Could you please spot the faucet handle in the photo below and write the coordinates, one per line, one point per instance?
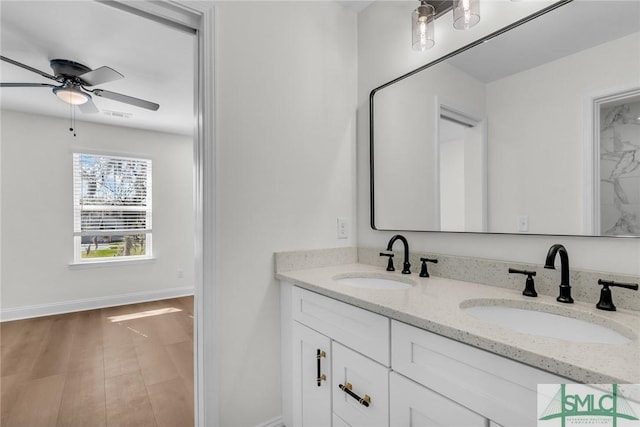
(423, 271)
(390, 263)
(606, 298)
(529, 287)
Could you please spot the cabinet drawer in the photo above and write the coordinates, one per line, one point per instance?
(501, 389)
(413, 405)
(367, 379)
(363, 330)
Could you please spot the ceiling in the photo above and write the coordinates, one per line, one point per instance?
(571, 28)
(157, 61)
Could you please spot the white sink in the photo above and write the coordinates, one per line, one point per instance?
(533, 321)
(374, 282)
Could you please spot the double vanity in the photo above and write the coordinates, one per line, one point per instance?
(364, 346)
(457, 342)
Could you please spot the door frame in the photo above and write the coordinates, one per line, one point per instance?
(197, 17)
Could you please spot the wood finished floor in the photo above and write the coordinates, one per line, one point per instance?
(106, 367)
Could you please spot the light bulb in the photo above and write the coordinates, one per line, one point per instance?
(422, 27)
(466, 13)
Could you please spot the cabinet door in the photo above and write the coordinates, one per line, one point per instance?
(339, 422)
(412, 405)
(312, 393)
(365, 402)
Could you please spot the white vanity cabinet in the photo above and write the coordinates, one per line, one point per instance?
(356, 344)
(406, 375)
(500, 389)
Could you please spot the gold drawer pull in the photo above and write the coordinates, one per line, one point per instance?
(320, 377)
(364, 401)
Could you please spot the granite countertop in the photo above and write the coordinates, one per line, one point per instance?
(434, 304)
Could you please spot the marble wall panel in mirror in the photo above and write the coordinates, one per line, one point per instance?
(536, 130)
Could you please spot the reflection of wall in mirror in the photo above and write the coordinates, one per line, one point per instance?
(406, 175)
(620, 167)
(536, 149)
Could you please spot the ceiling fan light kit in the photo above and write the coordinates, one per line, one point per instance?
(74, 78)
(71, 95)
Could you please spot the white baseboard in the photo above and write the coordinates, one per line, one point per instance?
(39, 310)
(276, 422)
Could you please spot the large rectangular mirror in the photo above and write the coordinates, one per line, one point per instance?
(534, 129)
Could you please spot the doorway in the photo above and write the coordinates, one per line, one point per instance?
(461, 171)
(198, 18)
(615, 205)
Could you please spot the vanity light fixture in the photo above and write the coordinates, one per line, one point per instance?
(466, 14)
(422, 24)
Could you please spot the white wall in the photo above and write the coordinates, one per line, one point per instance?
(285, 132)
(384, 53)
(403, 157)
(520, 151)
(37, 215)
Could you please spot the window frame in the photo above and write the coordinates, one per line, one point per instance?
(147, 208)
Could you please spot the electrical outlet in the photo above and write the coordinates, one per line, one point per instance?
(343, 229)
(180, 273)
(523, 223)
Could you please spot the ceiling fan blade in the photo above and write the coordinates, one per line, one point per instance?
(26, 85)
(88, 107)
(126, 99)
(100, 75)
(26, 67)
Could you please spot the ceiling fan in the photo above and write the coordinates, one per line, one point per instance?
(74, 78)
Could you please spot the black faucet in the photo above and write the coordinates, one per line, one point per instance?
(406, 266)
(565, 288)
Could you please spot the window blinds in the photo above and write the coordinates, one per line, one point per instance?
(112, 195)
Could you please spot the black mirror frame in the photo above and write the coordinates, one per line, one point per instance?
(421, 68)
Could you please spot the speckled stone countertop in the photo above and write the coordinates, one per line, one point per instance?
(434, 304)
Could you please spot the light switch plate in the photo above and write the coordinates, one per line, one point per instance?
(343, 228)
(523, 223)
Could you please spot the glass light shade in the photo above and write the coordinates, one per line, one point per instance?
(422, 27)
(466, 13)
(71, 95)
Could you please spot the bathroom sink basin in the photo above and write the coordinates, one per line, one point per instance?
(534, 321)
(374, 282)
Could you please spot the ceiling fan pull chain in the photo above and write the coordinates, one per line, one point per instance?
(73, 119)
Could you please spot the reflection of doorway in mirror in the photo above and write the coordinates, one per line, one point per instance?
(462, 171)
(619, 147)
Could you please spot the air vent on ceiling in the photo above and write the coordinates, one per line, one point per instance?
(117, 114)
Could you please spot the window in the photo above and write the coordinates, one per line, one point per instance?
(112, 208)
